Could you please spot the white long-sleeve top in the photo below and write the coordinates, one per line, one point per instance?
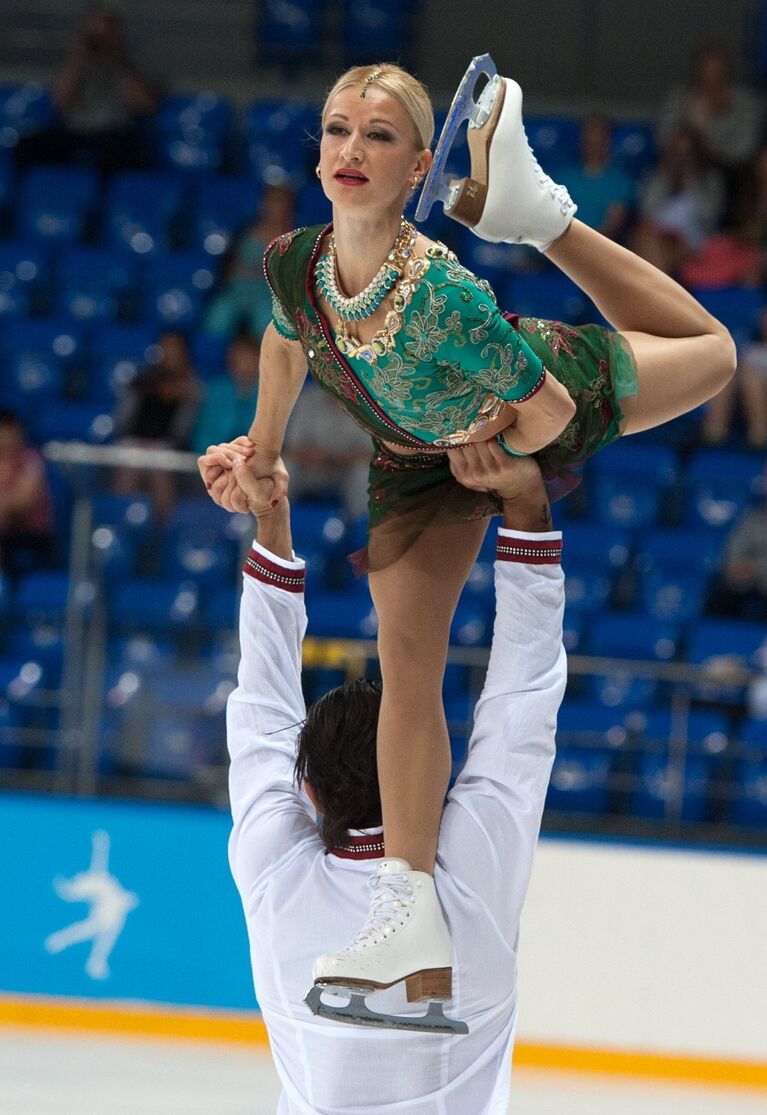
(301, 901)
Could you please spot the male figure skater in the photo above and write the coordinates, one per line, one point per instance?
(301, 884)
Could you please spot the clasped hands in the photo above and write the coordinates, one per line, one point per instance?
(241, 476)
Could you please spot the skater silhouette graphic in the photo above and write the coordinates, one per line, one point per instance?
(109, 903)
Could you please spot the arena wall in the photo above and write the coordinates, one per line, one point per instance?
(662, 946)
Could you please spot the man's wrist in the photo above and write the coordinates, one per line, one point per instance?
(273, 531)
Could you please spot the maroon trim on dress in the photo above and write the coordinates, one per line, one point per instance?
(346, 368)
(527, 551)
(270, 573)
(360, 847)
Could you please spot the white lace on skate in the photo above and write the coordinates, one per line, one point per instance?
(558, 192)
(391, 897)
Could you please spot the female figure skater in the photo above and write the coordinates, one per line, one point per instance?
(415, 349)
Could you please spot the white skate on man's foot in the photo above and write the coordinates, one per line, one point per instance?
(110, 905)
(508, 197)
(405, 939)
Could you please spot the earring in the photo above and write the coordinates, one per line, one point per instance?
(414, 182)
(317, 171)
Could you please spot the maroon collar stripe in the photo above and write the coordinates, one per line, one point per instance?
(360, 847)
(262, 569)
(529, 551)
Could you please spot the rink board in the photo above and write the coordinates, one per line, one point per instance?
(642, 960)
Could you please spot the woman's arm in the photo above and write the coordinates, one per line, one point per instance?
(541, 418)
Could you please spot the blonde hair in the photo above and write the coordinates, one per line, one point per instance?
(409, 91)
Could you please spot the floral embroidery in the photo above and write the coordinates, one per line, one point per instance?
(556, 335)
(282, 322)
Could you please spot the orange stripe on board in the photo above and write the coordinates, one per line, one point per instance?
(698, 1070)
(137, 1020)
(248, 1028)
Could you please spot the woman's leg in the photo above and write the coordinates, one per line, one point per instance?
(683, 354)
(415, 599)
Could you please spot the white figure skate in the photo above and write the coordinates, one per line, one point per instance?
(405, 938)
(508, 197)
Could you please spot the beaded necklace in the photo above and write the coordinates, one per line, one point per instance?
(365, 303)
(402, 272)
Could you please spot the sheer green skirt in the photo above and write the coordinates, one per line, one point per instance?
(408, 494)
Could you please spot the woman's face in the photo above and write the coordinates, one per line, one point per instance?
(368, 152)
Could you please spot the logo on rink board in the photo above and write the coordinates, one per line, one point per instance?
(109, 904)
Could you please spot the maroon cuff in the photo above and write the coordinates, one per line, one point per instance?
(262, 569)
(527, 551)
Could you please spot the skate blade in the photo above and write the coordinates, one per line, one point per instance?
(436, 185)
(358, 1013)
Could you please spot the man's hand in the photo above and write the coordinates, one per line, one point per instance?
(216, 471)
(517, 481)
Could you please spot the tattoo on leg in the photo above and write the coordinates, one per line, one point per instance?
(546, 515)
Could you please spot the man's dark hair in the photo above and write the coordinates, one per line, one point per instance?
(337, 755)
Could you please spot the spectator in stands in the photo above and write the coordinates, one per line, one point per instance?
(26, 507)
(326, 453)
(732, 257)
(726, 116)
(242, 301)
(742, 588)
(604, 192)
(158, 411)
(230, 399)
(101, 98)
(749, 384)
(680, 204)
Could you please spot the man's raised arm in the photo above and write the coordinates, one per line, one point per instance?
(491, 822)
(265, 712)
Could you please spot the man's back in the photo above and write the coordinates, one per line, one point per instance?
(300, 900)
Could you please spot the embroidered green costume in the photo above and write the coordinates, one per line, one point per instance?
(457, 360)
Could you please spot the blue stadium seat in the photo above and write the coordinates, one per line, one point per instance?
(707, 732)
(41, 598)
(221, 607)
(580, 781)
(494, 262)
(208, 353)
(172, 749)
(20, 679)
(626, 499)
(636, 458)
(573, 632)
(39, 353)
(64, 421)
(93, 281)
(319, 524)
(312, 207)
(175, 286)
(198, 512)
(480, 585)
(118, 352)
(190, 132)
(342, 615)
(24, 270)
(622, 690)
(634, 147)
(673, 595)
(601, 547)
(114, 551)
(739, 308)
(472, 624)
(54, 203)
(720, 643)
(550, 295)
(719, 486)
(199, 554)
(374, 29)
(554, 139)
(749, 804)
(586, 590)
(220, 207)
(661, 787)
(140, 206)
(289, 30)
(144, 604)
(11, 737)
(626, 635)
(678, 549)
(280, 136)
(752, 737)
(144, 653)
(584, 723)
(133, 514)
(43, 643)
(24, 108)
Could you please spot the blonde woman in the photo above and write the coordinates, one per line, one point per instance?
(415, 349)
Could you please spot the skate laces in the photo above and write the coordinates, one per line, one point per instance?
(389, 894)
(558, 192)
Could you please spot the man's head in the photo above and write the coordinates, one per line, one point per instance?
(337, 759)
